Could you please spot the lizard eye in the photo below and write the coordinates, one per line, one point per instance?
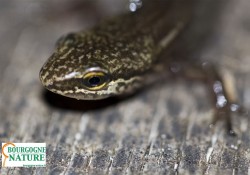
(95, 79)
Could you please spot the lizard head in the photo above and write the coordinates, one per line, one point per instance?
(83, 67)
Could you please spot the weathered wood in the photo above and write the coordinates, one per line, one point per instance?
(163, 129)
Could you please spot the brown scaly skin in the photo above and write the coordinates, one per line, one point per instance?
(112, 58)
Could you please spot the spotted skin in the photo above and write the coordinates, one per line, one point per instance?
(122, 49)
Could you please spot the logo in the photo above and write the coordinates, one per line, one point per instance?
(23, 154)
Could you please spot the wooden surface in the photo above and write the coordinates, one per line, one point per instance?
(163, 129)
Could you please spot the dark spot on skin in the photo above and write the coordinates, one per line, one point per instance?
(67, 39)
